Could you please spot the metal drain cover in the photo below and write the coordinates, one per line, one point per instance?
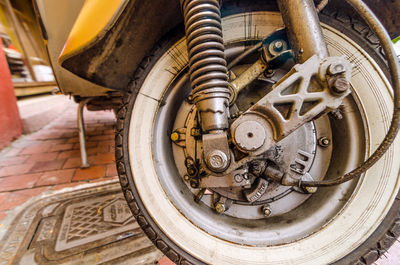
(86, 226)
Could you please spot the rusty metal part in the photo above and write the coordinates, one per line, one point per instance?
(237, 178)
(297, 98)
(216, 151)
(81, 130)
(362, 9)
(322, 4)
(256, 192)
(207, 64)
(250, 136)
(324, 142)
(266, 210)
(249, 75)
(303, 28)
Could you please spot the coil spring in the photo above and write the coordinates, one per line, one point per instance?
(208, 72)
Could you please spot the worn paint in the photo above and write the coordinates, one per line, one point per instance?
(94, 19)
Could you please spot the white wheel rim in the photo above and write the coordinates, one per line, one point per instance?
(366, 209)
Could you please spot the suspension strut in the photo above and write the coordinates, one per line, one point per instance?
(208, 72)
(208, 78)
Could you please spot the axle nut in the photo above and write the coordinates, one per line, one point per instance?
(219, 207)
(250, 135)
(340, 85)
(217, 160)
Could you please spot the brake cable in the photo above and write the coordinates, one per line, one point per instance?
(377, 28)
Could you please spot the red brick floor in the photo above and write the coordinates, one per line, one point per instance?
(50, 158)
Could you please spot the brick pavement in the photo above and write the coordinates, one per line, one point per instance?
(49, 159)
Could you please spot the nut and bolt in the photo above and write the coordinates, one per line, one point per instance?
(238, 178)
(336, 114)
(194, 184)
(220, 207)
(278, 46)
(175, 136)
(340, 85)
(217, 160)
(336, 68)
(324, 142)
(186, 177)
(266, 210)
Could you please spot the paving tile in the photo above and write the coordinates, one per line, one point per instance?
(88, 145)
(111, 170)
(13, 152)
(104, 159)
(35, 149)
(73, 140)
(101, 149)
(76, 162)
(15, 169)
(102, 137)
(19, 197)
(3, 196)
(14, 160)
(18, 182)
(93, 172)
(48, 165)
(61, 147)
(55, 177)
(42, 157)
(68, 154)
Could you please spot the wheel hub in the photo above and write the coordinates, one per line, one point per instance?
(246, 194)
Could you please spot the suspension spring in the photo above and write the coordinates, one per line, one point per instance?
(208, 71)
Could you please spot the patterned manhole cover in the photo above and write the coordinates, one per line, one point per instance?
(86, 226)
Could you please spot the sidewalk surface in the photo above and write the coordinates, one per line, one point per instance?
(49, 159)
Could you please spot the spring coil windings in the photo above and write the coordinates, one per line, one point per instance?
(208, 71)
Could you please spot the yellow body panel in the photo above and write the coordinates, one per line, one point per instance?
(94, 18)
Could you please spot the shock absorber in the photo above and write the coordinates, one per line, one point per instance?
(207, 64)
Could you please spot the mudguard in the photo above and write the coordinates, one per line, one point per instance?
(109, 52)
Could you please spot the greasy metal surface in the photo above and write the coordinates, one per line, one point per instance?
(297, 98)
(85, 226)
(177, 115)
(303, 28)
(207, 64)
(81, 130)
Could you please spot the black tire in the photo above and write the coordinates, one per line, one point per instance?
(367, 253)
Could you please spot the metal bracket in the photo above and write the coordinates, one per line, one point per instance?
(306, 92)
(81, 129)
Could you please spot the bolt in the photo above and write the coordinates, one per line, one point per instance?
(266, 210)
(336, 114)
(220, 207)
(278, 46)
(238, 178)
(340, 85)
(217, 160)
(194, 184)
(175, 136)
(186, 177)
(324, 142)
(336, 68)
